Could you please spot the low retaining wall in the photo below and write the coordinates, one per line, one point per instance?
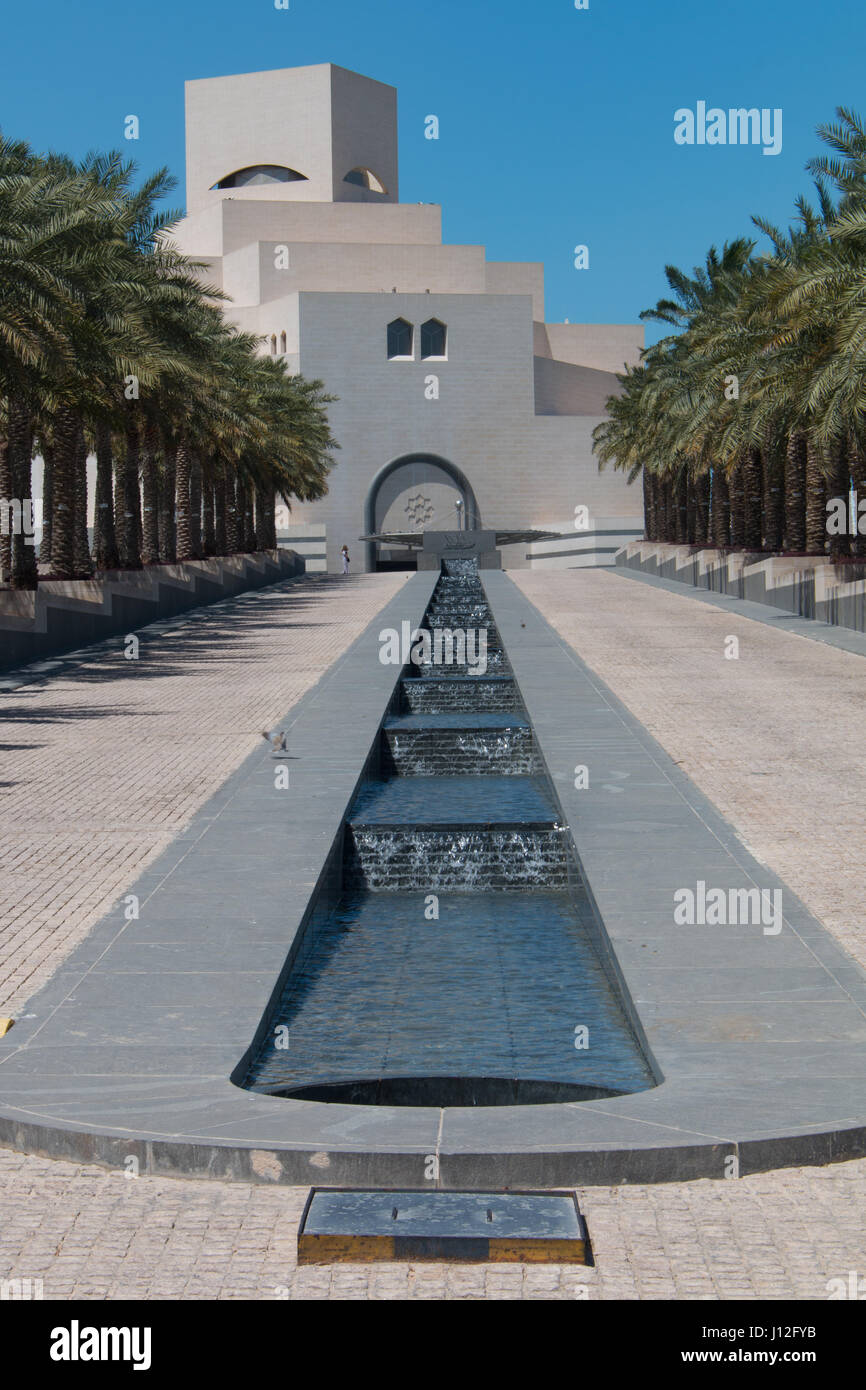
(64, 614)
(811, 587)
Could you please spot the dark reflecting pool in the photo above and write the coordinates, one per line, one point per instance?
(462, 965)
(495, 988)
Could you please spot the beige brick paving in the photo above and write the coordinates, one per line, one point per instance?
(773, 738)
(124, 762)
(89, 1233)
(102, 765)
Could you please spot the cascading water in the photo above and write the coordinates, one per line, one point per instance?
(460, 966)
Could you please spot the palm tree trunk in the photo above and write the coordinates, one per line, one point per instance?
(249, 520)
(195, 506)
(168, 494)
(721, 505)
(81, 542)
(63, 509)
(150, 498)
(666, 517)
(208, 535)
(857, 455)
(232, 526)
(648, 508)
(24, 573)
(121, 525)
(271, 517)
(105, 550)
(184, 530)
(220, 539)
(47, 502)
(735, 490)
(816, 497)
(6, 493)
(691, 507)
(261, 517)
(130, 539)
(838, 486)
(753, 530)
(774, 497)
(679, 500)
(795, 494)
(702, 507)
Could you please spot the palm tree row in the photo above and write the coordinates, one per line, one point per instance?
(111, 345)
(747, 420)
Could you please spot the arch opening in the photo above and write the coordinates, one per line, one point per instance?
(416, 492)
(256, 174)
(362, 177)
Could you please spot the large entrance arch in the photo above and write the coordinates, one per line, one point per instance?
(418, 492)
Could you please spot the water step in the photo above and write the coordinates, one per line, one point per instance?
(454, 801)
(459, 744)
(474, 614)
(496, 664)
(462, 858)
(425, 693)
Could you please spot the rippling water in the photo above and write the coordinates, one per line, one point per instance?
(495, 987)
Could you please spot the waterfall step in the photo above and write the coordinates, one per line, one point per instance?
(457, 858)
(456, 743)
(495, 663)
(460, 802)
(459, 719)
(423, 694)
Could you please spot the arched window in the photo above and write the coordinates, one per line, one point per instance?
(400, 339)
(283, 342)
(433, 338)
(261, 173)
(273, 345)
(365, 178)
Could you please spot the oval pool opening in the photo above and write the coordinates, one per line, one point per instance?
(443, 1092)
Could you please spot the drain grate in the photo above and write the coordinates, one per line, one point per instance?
(343, 1227)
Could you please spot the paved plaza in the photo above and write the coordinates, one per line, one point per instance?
(107, 760)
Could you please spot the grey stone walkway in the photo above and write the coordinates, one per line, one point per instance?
(112, 765)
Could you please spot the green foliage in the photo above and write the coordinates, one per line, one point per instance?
(94, 294)
(789, 326)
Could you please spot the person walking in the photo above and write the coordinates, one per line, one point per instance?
(344, 556)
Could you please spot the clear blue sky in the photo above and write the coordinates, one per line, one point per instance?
(556, 124)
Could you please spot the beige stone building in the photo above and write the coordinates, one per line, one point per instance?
(456, 398)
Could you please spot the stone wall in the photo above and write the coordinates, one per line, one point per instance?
(64, 614)
(809, 586)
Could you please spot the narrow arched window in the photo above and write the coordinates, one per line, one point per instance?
(433, 338)
(273, 345)
(283, 342)
(399, 339)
